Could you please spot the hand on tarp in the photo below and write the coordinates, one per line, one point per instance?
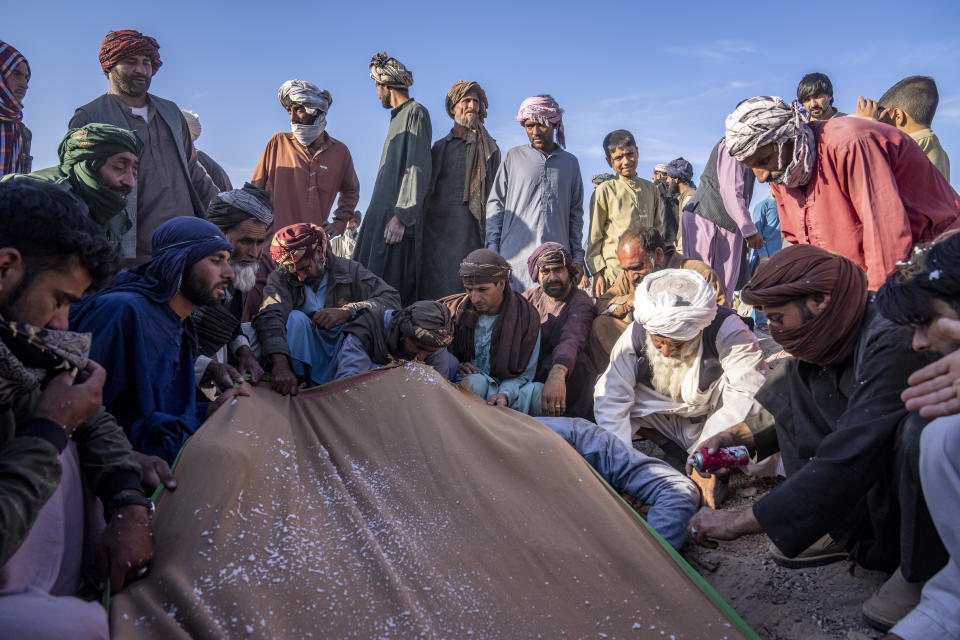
(125, 546)
(230, 395)
(282, 378)
(222, 375)
(248, 365)
(153, 471)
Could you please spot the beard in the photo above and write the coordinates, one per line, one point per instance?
(199, 292)
(385, 102)
(468, 120)
(244, 278)
(125, 83)
(670, 372)
(556, 290)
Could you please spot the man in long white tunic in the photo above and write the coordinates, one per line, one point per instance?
(686, 368)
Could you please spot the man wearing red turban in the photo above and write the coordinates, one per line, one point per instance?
(170, 180)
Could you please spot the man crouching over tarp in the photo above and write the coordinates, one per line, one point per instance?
(306, 302)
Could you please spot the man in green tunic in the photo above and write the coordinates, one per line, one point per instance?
(98, 164)
(387, 244)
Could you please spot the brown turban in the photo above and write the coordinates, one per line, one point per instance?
(118, 45)
(291, 243)
(551, 254)
(459, 90)
(795, 272)
(484, 266)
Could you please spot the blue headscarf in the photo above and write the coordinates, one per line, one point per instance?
(682, 170)
(176, 245)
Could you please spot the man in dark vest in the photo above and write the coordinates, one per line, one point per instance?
(716, 223)
(685, 370)
(170, 180)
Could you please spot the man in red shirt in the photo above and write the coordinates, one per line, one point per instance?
(852, 186)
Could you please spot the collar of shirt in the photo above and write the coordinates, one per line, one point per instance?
(397, 110)
(151, 110)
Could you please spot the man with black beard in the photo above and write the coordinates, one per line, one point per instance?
(170, 180)
(243, 215)
(144, 337)
(675, 184)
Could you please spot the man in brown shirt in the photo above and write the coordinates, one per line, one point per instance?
(305, 169)
(641, 251)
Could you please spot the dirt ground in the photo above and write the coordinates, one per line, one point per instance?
(821, 603)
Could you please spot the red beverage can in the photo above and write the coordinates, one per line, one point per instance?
(724, 458)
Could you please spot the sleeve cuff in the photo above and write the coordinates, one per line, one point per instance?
(116, 482)
(45, 429)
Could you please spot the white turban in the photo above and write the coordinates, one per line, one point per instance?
(301, 92)
(193, 123)
(768, 119)
(675, 303)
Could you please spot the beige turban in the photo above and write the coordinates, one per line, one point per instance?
(193, 123)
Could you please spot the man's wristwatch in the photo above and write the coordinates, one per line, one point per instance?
(122, 500)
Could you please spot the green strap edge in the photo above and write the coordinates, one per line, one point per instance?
(698, 579)
(106, 599)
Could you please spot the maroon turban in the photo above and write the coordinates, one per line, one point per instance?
(119, 45)
(793, 273)
(291, 243)
(551, 254)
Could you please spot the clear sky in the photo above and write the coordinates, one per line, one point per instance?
(669, 72)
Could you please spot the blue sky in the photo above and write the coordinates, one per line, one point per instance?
(669, 72)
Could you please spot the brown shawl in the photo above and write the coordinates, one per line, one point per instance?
(480, 148)
(515, 332)
(797, 271)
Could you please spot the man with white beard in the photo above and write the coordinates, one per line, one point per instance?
(685, 370)
(244, 216)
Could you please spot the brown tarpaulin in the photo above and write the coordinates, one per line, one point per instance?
(394, 505)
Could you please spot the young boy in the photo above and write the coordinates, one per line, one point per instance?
(616, 204)
(910, 106)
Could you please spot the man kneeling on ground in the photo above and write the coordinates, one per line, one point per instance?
(849, 446)
(684, 371)
(496, 335)
(378, 337)
(306, 303)
(54, 433)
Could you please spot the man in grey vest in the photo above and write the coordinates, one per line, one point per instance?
(685, 370)
(171, 182)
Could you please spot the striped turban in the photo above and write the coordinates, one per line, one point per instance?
(230, 208)
(427, 322)
(675, 303)
(600, 178)
(11, 114)
(119, 45)
(545, 110)
(483, 266)
(308, 95)
(389, 71)
(769, 120)
(291, 243)
(551, 254)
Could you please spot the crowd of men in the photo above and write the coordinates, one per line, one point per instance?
(475, 264)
